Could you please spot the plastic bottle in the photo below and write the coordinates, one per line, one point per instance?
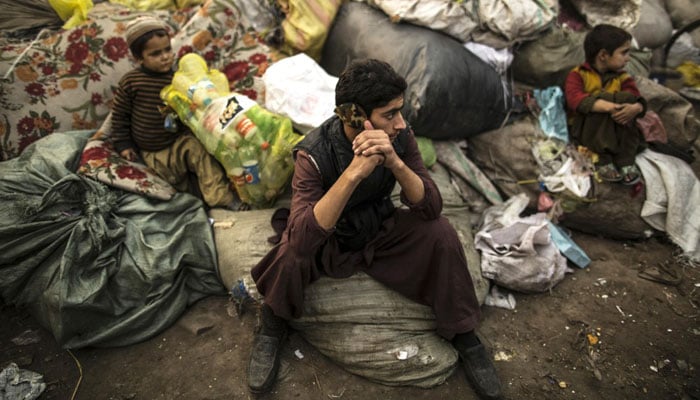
(227, 157)
(265, 120)
(193, 66)
(195, 70)
(218, 124)
(220, 82)
(252, 136)
(192, 79)
(202, 92)
(249, 159)
(177, 101)
(195, 122)
(275, 172)
(247, 129)
(237, 177)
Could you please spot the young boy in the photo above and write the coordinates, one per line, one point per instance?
(138, 125)
(603, 101)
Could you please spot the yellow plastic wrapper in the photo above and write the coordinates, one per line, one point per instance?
(73, 12)
(150, 5)
(306, 24)
(188, 3)
(691, 73)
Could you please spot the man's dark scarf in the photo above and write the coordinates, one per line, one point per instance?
(370, 203)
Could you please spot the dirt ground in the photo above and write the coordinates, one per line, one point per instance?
(604, 332)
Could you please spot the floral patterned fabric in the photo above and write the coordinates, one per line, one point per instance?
(101, 162)
(63, 80)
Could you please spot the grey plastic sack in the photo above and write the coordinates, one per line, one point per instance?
(518, 252)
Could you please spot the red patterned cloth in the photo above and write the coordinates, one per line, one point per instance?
(63, 80)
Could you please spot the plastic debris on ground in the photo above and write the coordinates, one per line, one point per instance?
(496, 298)
(568, 248)
(16, 383)
(27, 337)
(240, 297)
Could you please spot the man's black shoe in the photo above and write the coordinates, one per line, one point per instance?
(480, 371)
(264, 363)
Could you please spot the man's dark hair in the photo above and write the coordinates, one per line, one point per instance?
(604, 37)
(140, 43)
(369, 83)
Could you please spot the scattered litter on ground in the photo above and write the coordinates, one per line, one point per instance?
(224, 224)
(16, 383)
(336, 396)
(27, 337)
(503, 356)
(498, 298)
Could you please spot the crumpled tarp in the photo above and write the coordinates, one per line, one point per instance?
(673, 195)
(95, 265)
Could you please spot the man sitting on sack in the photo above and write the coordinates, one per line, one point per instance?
(342, 221)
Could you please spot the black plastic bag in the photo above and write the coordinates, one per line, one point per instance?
(451, 92)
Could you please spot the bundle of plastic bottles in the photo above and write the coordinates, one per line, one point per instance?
(253, 144)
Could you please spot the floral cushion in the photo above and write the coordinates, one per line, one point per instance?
(101, 162)
(64, 80)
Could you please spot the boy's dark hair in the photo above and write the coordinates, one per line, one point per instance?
(604, 37)
(369, 83)
(139, 43)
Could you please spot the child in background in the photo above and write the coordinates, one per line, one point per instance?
(603, 102)
(138, 121)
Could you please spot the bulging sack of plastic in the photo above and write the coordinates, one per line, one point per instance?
(253, 144)
(276, 164)
(255, 147)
